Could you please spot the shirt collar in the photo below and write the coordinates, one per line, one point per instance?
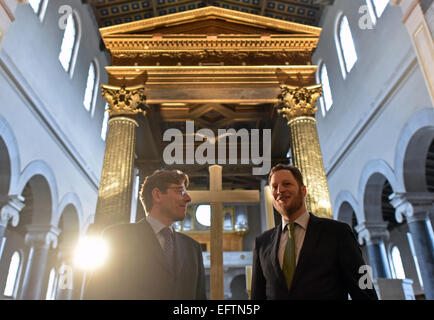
(156, 225)
(302, 221)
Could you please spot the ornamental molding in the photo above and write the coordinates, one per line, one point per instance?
(116, 45)
(211, 53)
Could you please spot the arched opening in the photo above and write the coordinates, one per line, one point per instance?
(238, 288)
(5, 172)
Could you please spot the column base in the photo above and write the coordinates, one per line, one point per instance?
(394, 289)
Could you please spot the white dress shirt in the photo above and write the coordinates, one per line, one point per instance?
(300, 232)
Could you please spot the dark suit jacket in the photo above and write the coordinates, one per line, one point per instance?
(327, 268)
(137, 268)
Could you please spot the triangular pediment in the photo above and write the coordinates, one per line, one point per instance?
(210, 20)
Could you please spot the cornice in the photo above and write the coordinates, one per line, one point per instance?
(120, 45)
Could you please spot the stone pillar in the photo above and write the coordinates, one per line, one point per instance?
(416, 207)
(267, 211)
(65, 272)
(415, 14)
(374, 234)
(299, 109)
(39, 239)
(7, 10)
(116, 184)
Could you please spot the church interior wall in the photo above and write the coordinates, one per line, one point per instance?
(33, 48)
(379, 140)
(66, 174)
(380, 54)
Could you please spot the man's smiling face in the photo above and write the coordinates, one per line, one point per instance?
(288, 195)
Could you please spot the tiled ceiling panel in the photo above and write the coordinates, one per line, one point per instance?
(113, 12)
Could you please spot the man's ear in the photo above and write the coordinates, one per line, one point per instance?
(156, 195)
(304, 191)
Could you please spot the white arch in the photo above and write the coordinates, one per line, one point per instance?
(70, 198)
(346, 196)
(39, 167)
(422, 119)
(8, 137)
(372, 167)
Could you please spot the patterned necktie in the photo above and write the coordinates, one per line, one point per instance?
(289, 256)
(168, 247)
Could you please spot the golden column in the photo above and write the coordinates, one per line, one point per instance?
(299, 109)
(115, 190)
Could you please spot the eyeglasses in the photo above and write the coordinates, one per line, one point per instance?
(182, 190)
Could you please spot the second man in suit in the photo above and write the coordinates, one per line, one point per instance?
(306, 257)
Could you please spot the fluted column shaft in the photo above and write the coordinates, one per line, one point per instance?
(306, 154)
(115, 191)
(39, 239)
(299, 109)
(116, 184)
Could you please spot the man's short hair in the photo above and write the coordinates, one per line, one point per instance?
(294, 170)
(160, 179)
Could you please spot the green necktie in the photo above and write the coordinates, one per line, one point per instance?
(289, 256)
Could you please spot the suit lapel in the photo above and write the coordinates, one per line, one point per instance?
(275, 256)
(180, 255)
(310, 241)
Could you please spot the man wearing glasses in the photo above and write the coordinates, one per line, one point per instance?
(150, 260)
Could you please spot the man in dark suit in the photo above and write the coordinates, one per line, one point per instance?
(306, 257)
(149, 259)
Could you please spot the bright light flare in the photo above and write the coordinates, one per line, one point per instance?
(91, 253)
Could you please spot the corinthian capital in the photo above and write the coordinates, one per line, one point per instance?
(124, 100)
(297, 102)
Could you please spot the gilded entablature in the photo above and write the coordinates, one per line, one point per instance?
(212, 39)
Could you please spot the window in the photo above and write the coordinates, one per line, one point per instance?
(36, 5)
(227, 222)
(12, 278)
(51, 289)
(91, 85)
(345, 46)
(416, 262)
(68, 43)
(397, 267)
(327, 100)
(380, 6)
(105, 123)
(203, 214)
